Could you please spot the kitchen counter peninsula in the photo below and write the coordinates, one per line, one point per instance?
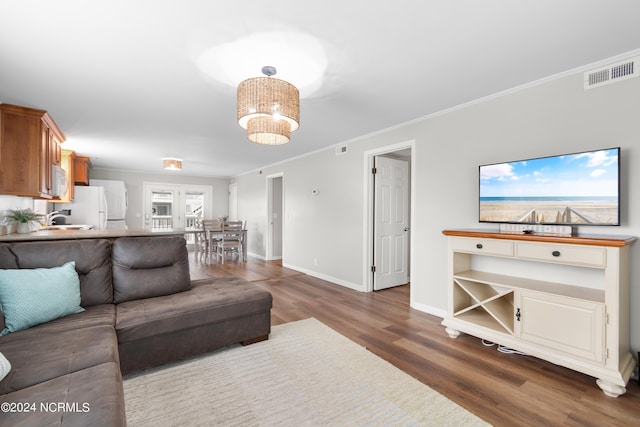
(89, 234)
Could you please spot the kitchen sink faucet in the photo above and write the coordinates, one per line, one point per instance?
(51, 216)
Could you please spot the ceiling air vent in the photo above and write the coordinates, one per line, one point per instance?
(612, 73)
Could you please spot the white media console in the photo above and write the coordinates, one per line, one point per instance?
(561, 299)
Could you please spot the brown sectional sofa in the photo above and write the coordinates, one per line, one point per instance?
(141, 310)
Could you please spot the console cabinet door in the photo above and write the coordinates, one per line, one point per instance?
(569, 325)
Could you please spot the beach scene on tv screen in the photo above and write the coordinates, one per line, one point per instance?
(575, 189)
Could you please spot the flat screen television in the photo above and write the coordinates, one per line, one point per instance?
(569, 189)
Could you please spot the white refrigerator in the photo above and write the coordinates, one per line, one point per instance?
(116, 194)
(89, 206)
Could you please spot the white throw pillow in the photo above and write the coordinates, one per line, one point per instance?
(5, 366)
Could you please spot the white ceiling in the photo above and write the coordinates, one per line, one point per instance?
(121, 80)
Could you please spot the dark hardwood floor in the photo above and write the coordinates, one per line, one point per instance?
(503, 389)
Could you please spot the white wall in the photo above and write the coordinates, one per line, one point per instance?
(15, 202)
(554, 118)
(323, 235)
(134, 183)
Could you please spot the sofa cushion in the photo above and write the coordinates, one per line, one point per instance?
(209, 301)
(92, 258)
(7, 258)
(97, 315)
(145, 267)
(29, 297)
(39, 358)
(92, 397)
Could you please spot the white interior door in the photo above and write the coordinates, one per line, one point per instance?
(391, 223)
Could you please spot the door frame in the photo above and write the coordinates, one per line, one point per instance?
(269, 242)
(232, 202)
(369, 209)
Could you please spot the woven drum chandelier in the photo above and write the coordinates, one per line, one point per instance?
(268, 108)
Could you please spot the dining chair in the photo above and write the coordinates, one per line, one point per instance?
(210, 228)
(237, 226)
(199, 242)
(230, 240)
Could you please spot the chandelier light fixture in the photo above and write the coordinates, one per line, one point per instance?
(268, 108)
(172, 164)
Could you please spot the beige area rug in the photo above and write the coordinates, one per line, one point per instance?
(306, 374)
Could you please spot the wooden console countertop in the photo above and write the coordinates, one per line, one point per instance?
(88, 234)
(580, 239)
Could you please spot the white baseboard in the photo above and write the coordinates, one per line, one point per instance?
(417, 306)
(252, 255)
(262, 257)
(429, 309)
(331, 279)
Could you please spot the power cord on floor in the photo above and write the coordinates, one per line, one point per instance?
(503, 349)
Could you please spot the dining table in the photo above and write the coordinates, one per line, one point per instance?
(208, 235)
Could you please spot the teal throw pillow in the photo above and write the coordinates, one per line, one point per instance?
(29, 297)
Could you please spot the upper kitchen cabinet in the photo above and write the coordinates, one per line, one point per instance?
(81, 170)
(30, 152)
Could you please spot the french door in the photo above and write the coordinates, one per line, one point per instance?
(175, 206)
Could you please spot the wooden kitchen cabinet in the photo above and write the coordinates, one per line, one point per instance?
(81, 170)
(55, 150)
(29, 147)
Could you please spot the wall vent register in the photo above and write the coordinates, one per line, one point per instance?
(612, 73)
(341, 150)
